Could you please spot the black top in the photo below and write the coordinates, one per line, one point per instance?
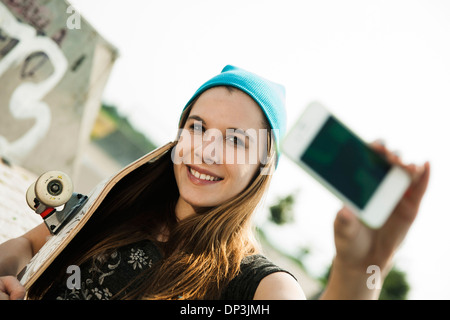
(105, 277)
(253, 270)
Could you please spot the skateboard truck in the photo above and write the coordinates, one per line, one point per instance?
(51, 190)
(55, 219)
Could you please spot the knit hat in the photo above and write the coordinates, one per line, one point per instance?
(268, 95)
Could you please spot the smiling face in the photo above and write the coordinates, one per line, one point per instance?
(220, 147)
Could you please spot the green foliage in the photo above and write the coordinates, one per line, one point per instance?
(118, 138)
(127, 129)
(283, 212)
(395, 286)
(112, 112)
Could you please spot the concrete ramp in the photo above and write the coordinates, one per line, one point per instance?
(53, 69)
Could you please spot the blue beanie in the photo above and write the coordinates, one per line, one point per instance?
(268, 95)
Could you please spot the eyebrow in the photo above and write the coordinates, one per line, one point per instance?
(194, 117)
(237, 130)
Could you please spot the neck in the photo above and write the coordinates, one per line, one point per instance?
(183, 209)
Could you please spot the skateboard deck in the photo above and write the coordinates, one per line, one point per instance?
(57, 242)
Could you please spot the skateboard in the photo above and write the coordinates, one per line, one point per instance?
(66, 212)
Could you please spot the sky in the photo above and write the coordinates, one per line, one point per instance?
(381, 66)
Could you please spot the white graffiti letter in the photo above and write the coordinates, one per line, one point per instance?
(26, 100)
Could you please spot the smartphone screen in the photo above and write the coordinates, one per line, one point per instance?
(346, 162)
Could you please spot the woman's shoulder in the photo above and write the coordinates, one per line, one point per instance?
(258, 277)
(279, 286)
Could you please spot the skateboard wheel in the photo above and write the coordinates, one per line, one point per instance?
(31, 196)
(53, 188)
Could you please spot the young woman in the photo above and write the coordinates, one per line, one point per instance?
(180, 227)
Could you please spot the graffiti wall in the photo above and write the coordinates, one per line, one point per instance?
(53, 68)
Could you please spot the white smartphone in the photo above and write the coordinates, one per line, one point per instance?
(344, 164)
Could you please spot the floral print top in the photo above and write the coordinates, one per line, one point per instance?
(109, 274)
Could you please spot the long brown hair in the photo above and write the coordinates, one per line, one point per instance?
(203, 251)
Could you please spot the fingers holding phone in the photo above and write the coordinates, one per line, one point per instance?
(381, 195)
(406, 210)
(419, 176)
(367, 182)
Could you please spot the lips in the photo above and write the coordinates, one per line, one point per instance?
(202, 176)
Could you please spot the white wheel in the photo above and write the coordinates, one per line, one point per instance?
(31, 195)
(53, 188)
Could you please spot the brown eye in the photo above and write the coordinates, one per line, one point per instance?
(236, 141)
(197, 127)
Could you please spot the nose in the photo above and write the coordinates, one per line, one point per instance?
(210, 150)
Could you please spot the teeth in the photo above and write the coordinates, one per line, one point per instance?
(203, 176)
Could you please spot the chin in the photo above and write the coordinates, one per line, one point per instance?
(200, 204)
